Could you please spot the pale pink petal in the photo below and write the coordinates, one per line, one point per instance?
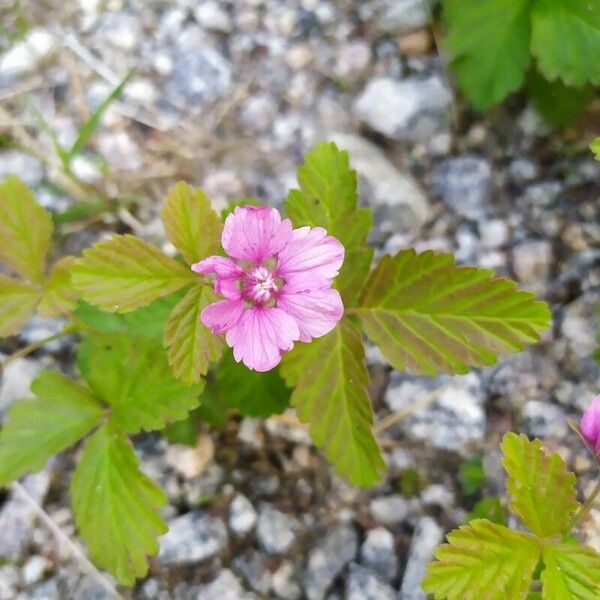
(316, 312)
(255, 233)
(305, 281)
(590, 424)
(311, 250)
(261, 336)
(222, 315)
(227, 275)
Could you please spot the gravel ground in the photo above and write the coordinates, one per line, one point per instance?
(229, 95)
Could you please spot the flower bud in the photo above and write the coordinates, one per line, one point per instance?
(590, 424)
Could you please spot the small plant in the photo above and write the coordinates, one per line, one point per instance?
(498, 46)
(292, 299)
(486, 559)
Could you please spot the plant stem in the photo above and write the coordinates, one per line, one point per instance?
(67, 330)
(585, 508)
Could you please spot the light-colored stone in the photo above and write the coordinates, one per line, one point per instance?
(275, 530)
(25, 56)
(242, 515)
(191, 462)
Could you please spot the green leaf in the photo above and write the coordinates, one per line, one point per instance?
(595, 148)
(472, 475)
(17, 302)
(252, 393)
(116, 507)
(566, 40)
(488, 44)
(489, 508)
(125, 273)
(558, 103)
(327, 198)
(191, 224)
(59, 296)
(330, 394)
(62, 413)
(571, 573)
(132, 375)
(25, 230)
(183, 432)
(191, 345)
(148, 321)
(211, 410)
(483, 560)
(542, 490)
(89, 127)
(429, 315)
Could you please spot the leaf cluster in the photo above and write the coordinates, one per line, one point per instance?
(484, 559)
(497, 46)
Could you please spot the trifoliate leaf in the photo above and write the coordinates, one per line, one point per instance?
(25, 230)
(488, 44)
(565, 39)
(542, 490)
(571, 573)
(483, 560)
(327, 198)
(17, 302)
(595, 148)
(191, 345)
(62, 413)
(148, 321)
(116, 507)
(558, 103)
(59, 296)
(251, 393)
(429, 315)
(330, 394)
(131, 374)
(125, 273)
(191, 224)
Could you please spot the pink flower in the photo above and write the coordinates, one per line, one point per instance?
(276, 285)
(590, 424)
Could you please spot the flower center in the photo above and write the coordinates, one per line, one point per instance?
(261, 285)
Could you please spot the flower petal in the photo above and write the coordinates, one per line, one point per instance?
(255, 233)
(590, 424)
(311, 250)
(316, 312)
(222, 315)
(227, 275)
(261, 336)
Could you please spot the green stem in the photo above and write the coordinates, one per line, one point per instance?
(67, 330)
(585, 508)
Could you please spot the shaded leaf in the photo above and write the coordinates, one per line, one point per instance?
(131, 374)
(488, 44)
(62, 413)
(542, 490)
(558, 103)
(191, 345)
(59, 296)
(252, 393)
(191, 224)
(595, 148)
(565, 40)
(571, 573)
(330, 394)
(429, 315)
(125, 273)
(489, 508)
(483, 560)
(116, 507)
(17, 302)
(25, 230)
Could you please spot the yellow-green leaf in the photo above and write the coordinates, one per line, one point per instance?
(571, 573)
(17, 301)
(542, 490)
(191, 345)
(59, 296)
(116, 506)
(62, 413)
(595, 148)
(330, 394)
(429, 315)
(125, 273)
(25, 230)
(483, 560)
(191, 224)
